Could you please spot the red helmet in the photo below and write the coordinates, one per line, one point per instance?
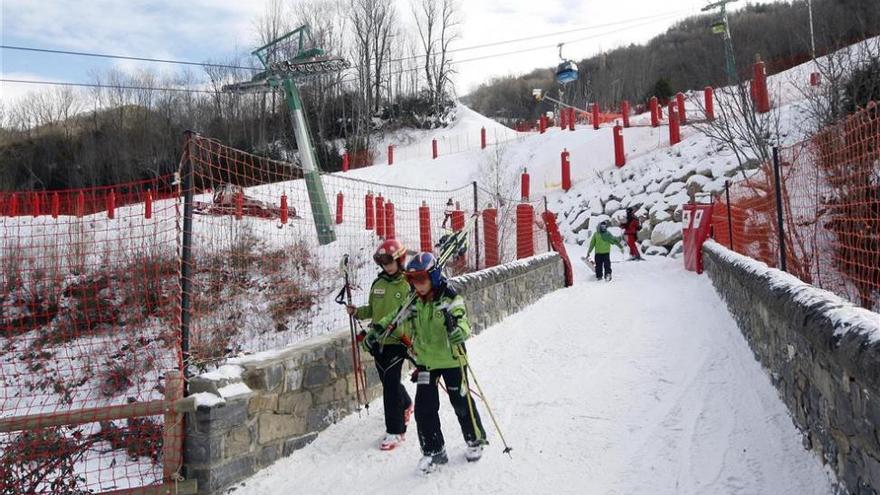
(389, 251)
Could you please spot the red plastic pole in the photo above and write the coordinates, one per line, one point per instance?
(524, 186)
(239, 205)
(619, 156)
(762, 96)
(673, 125)
(571, 119)
(682, 113)
(434, 148)
(490, 236)
(389, 220)
(563, 118)
(111, 205)
(655, 112)
(566, 170)
(36, 205)
(624, 108)
(426, 244)
(815, 79)
(340, 201)
(56, 205)
(525, 235)
(596, 116)
(369, 209)
(380, 216)
(542, 122)
(483, 138)
(284, 211)
(346, 162)
(148, 205)
(709, 96)
(390, 154)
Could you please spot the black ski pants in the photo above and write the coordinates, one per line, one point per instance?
(428, 410)
(603, 264)
(389, 364)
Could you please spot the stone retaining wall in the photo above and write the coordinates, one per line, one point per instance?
(258, 409)
(822, 354)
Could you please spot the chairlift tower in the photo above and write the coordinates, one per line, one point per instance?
(283, 73)
(722, 27)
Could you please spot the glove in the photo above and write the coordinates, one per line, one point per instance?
(457, 336)
(371, 343)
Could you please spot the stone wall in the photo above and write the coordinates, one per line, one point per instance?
(257, 409)
(822, 354)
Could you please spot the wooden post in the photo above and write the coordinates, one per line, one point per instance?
(172, 434)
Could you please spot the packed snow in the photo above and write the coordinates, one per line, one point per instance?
(620, 387)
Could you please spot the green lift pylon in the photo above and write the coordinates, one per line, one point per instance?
(283, 73)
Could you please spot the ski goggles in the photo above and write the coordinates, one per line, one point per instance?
(417, 277)
(383, 259)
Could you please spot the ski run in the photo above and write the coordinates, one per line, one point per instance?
(639, 385)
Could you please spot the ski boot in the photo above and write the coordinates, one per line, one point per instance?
(608, 277)
(474, 450)
(391, 441)
(430, 462)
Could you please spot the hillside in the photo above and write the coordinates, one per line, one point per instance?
(688, 56)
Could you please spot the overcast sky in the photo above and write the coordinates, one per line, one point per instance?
(200, 30)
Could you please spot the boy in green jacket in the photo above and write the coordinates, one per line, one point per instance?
(438, 326)
(388, 292)
(601, 242)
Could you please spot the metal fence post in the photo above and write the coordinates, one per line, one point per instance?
(186, 256)
(476, 227)
(729, 215)
(780, 225)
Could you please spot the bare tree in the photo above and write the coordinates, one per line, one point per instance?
(437, 23)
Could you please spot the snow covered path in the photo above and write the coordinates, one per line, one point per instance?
(641, 385)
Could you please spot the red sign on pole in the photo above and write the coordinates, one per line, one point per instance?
(696, 219)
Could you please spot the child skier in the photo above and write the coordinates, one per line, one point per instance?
(631, 229)
(438, 327)
(387, 293)
(602, 241)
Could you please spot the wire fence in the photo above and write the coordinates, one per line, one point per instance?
(829, 194)
(88, 311)
(257, 244)
(97, 304)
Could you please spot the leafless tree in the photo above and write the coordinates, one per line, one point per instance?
(438, 23)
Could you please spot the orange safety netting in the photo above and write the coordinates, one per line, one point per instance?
(88, 324)
(261, 279)
(830, 190)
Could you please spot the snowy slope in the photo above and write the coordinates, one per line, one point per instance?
(654, 395)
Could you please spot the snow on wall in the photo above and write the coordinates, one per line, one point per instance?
(822, 353)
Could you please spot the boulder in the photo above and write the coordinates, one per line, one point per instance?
(612, 206)
(677, 250)
(666, 234)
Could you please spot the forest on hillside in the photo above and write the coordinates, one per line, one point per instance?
(688, 56)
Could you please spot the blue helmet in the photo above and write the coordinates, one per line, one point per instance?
(424, 266)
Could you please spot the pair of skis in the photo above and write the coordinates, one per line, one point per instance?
(360, 375)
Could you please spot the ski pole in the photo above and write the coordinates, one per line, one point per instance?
(507, 448)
